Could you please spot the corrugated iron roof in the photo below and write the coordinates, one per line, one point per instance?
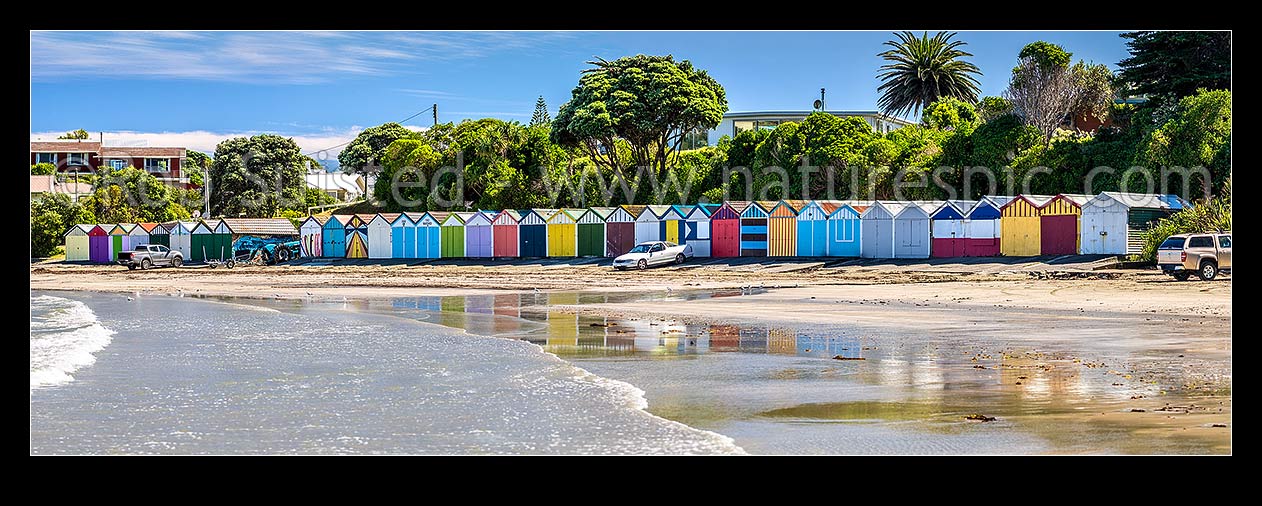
(65, 146)
(797, 205)
(634, 210)
(998, 200)
(603, 212)
(738, 205)
(659, 210)
(260, 226)
(389, 217)
(1077, 198)
(440, 216)
(1140, 200)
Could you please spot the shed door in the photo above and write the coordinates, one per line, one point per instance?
(1059, 235)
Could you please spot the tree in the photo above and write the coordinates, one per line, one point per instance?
(540, 118)
(43, 169)
(1094, 89)
(131, 195)
(1170, 65)
(923, 69)
(52, 214)
(79, 134)
(195, 164)
(650, 102)
(990, 108)
(1198, 135)
(950, 114)
(369, 145)
(1042, 89)
(257, 176)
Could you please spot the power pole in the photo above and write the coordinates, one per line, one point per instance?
(435, 114)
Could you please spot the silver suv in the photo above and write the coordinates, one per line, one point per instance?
(1204, 254)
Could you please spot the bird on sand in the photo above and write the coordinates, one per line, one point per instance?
(129, 299)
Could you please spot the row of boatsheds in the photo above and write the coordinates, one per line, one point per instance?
(1025, 225)
(198, 240)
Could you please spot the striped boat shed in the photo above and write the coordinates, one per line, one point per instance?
(1059, 221)
(504, 232)
(782, 230)
(309, 236)
(138, 235)
(591, 232)
(157, 233)
(1116, 223)
(620, 230)
(725, 229)
(1020, 226)
(754, 230)
(532, 232)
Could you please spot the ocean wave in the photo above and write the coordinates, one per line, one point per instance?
(65, 335)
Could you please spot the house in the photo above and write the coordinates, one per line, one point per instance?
(163, 163)
(737, 122)
(340, 186)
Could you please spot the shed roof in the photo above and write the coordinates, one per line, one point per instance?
(603, 212)
(1076, 198)
(388, 217)
(512, 213)
(738, 205)
(1130, 200)
(260, 226)
(634, 210)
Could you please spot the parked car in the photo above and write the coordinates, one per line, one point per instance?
(1204, 254)
(652, 253)
(145, 256)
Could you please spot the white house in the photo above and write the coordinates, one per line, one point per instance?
(735, 122)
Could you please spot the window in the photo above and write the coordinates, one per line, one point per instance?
(156, 164)
(1172, 243)
(46, 158)
(1224, 241)
(741, 126)
(1203, 241)
(695, 139)
(843, 230)
(162, 249)
(118, 164)
(657, 247)
(77, 159)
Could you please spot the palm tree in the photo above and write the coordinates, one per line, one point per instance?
(924, 69)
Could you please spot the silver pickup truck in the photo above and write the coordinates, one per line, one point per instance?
(1203, 254)
(145, 256)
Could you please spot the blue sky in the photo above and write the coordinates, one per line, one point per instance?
(196, 88)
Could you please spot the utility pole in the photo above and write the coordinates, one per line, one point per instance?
(822, 105)
(206, 190)
(435, 114)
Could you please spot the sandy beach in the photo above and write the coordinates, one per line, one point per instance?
(1098, 351)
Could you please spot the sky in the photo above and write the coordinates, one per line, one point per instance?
(194, 89)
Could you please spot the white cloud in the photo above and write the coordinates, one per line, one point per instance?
(258, 57)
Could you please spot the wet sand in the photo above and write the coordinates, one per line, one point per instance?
(1135, 364)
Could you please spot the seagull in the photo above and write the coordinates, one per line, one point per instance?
(277, 295)
(668, 290)
(308, 293)
(536, 289)
(129, 299)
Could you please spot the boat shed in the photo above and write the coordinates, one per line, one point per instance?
(78, 247)
(754, 230)
(1059, 221)
(1020, 227)
(725, 229)
(309, 236)
(479, 239)
(620, 230)
(504, 240)
(532, 232)
(453, 235)
(334, 236)
(591, 232)
(1115, 223)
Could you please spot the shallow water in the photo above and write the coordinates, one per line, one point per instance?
(193, 376)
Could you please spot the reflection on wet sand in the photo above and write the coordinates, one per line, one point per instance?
(930, 382)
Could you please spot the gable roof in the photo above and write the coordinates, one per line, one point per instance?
(260, 226)
(80, 228)
(1033, 200)
(737, 205)
(512, 214)
(634, 210)
(138, 152)
(1076, 198)
(386, 217)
